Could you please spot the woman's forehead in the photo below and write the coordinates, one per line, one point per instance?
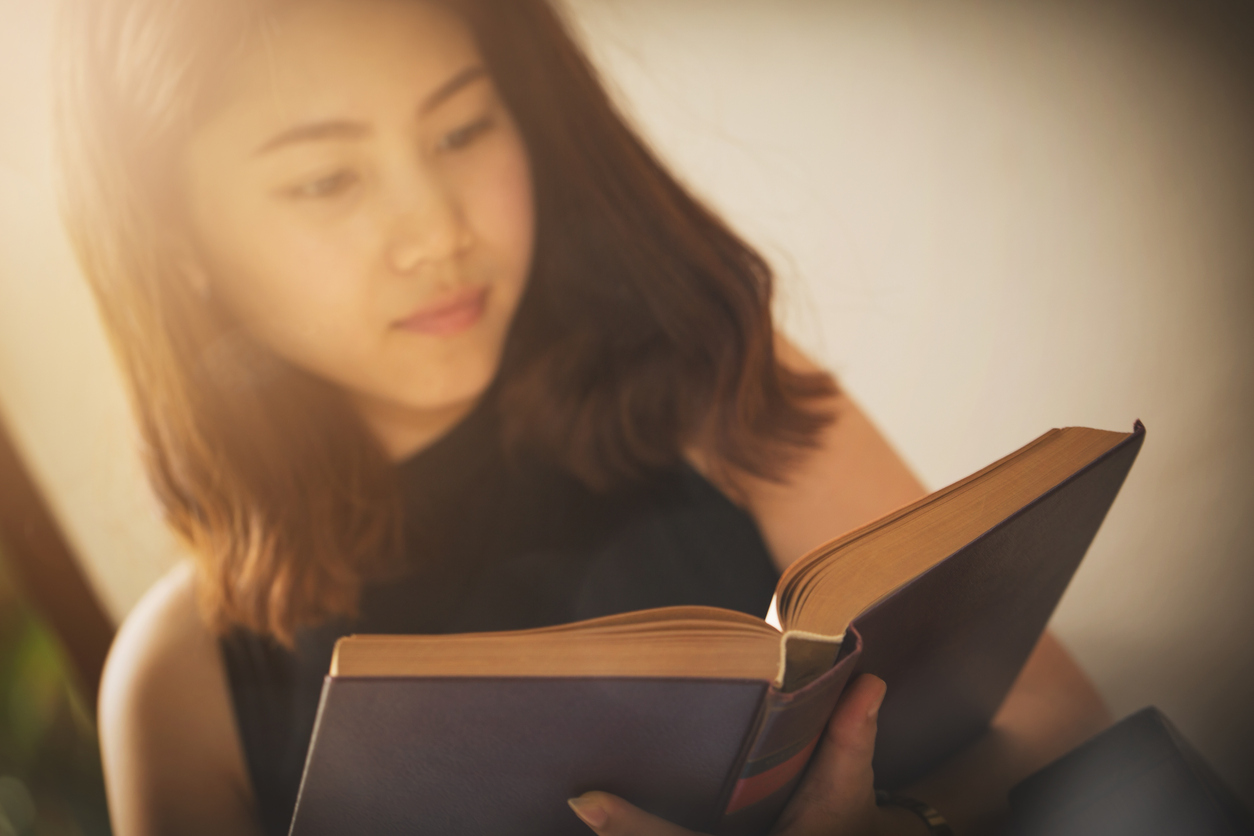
(345, 58)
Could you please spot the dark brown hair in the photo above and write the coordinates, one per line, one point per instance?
(645, 329)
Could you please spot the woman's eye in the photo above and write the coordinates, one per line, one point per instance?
(463, 136)
(329, 186)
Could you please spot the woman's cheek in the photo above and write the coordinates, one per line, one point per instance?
(505, 207)
(306, 303)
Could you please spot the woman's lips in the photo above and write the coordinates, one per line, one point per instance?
(451, 315)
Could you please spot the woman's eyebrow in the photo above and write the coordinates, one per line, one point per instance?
(332, 129)
(447, 89)
(342, 129)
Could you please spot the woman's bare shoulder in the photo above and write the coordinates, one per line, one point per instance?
(168, 739)
(851, 476)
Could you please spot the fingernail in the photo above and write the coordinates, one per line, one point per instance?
(874, 710)
(592, 813)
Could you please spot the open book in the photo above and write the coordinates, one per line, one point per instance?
(708, 717)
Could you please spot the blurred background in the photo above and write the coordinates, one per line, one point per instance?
(988, 219)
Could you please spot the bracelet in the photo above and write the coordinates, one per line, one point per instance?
(936, 823)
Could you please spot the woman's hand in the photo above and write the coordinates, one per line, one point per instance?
(836, 797)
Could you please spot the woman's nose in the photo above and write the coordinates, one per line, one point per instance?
(428, 225)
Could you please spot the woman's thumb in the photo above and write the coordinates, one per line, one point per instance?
(609, 815)
(838, 788)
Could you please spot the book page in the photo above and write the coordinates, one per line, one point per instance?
(695, 642)
(824, 591)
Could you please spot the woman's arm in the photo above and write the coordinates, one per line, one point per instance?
(172, 759)
(854, 476)
(851, 477)
(1052, 708)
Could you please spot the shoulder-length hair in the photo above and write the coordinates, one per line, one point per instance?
(645, 329)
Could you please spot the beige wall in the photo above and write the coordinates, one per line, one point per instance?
(989, 220)
(59, 390)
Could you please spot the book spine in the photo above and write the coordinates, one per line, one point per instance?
(788, 733)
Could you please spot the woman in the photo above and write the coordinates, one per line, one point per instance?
(400, 297)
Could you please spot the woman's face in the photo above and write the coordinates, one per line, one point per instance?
(360, 201)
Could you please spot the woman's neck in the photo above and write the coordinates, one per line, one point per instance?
(404, 430)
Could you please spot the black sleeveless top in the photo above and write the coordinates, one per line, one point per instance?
(501, 544)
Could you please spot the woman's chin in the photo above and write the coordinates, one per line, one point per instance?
(406, 419)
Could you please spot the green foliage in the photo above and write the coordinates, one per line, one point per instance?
(50, 778)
